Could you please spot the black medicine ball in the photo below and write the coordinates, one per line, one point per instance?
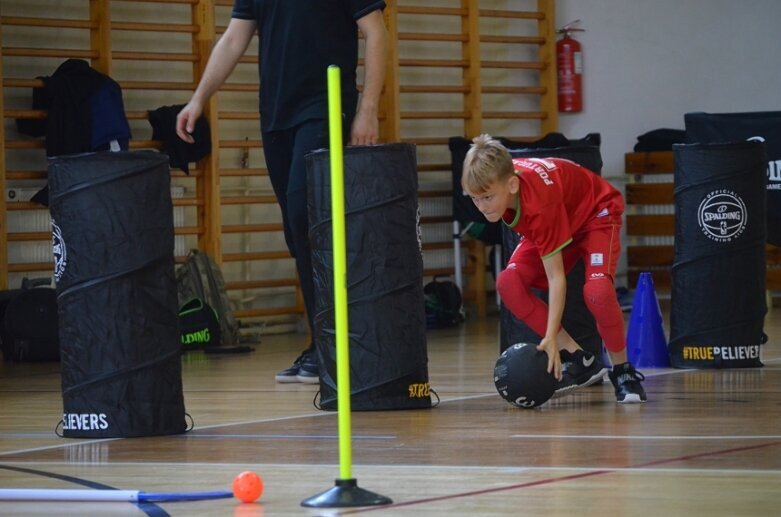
(521, 376)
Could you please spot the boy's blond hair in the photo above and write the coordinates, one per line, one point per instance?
(487, 162)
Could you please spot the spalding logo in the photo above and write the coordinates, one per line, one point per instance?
(59, 250)
(722, 215)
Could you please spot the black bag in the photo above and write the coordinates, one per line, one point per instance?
(443, 304)
(199, 325)
(199, 278)
(28, 322)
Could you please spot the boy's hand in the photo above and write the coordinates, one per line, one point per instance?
(549, 346)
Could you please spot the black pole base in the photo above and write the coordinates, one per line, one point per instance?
(345, 494)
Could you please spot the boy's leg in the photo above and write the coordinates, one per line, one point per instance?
(525, 271)
(602, 248)
(514, 284)
(580, 368)
(577, 319)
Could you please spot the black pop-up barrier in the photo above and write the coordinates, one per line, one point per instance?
(718, 274)
(576, 319)
(113, 238)
(387, 323)
(761, 126)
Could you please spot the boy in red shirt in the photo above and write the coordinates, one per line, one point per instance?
(563, 212)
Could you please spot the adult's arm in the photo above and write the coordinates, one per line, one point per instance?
(366, 128)
(225, 54)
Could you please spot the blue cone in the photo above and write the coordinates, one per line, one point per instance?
(646, 346)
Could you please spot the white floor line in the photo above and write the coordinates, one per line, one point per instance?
(58, 446)
(405, 468)
(618, 437)
(322, 414)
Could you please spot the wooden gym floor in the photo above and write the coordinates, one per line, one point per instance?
(707, 442)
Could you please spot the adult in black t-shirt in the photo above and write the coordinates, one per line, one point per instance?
(298, 40)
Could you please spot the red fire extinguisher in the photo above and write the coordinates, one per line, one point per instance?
(569, 64)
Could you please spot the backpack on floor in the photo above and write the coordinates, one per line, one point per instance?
(199, 326)
(443, 304)
(28, 322)
(199, 278)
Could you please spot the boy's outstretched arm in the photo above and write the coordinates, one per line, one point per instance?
(557, 295)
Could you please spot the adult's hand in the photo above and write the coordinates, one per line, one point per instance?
(185, 120)
(365, 130)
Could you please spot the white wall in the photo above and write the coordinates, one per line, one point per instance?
(647, 62)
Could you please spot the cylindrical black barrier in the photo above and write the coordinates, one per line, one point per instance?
(718, 274)
(113, 238)
(577, 319)
(760, 126)
(387, 322)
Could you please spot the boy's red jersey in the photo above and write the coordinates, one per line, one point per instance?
(558, 199)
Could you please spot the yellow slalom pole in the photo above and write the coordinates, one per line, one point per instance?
(340, 270)
(346, 491)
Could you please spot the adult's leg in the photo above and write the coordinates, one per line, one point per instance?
(307, 136)
(279, 148)
(278, 151)
(285, 151)
(310, 135)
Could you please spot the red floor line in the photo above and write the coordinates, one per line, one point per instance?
(705, 454)
(479, 492)
(556, 479)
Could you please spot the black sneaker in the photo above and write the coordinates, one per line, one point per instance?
(578, 370)
(304, 369)
(309, 369)
(626, 381)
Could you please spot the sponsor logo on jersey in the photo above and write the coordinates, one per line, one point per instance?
(542, 167)
(597, 259)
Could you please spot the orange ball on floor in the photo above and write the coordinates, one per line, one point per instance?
(247, 486)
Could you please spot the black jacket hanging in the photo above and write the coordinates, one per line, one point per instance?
(180, 153)
(86, 111)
